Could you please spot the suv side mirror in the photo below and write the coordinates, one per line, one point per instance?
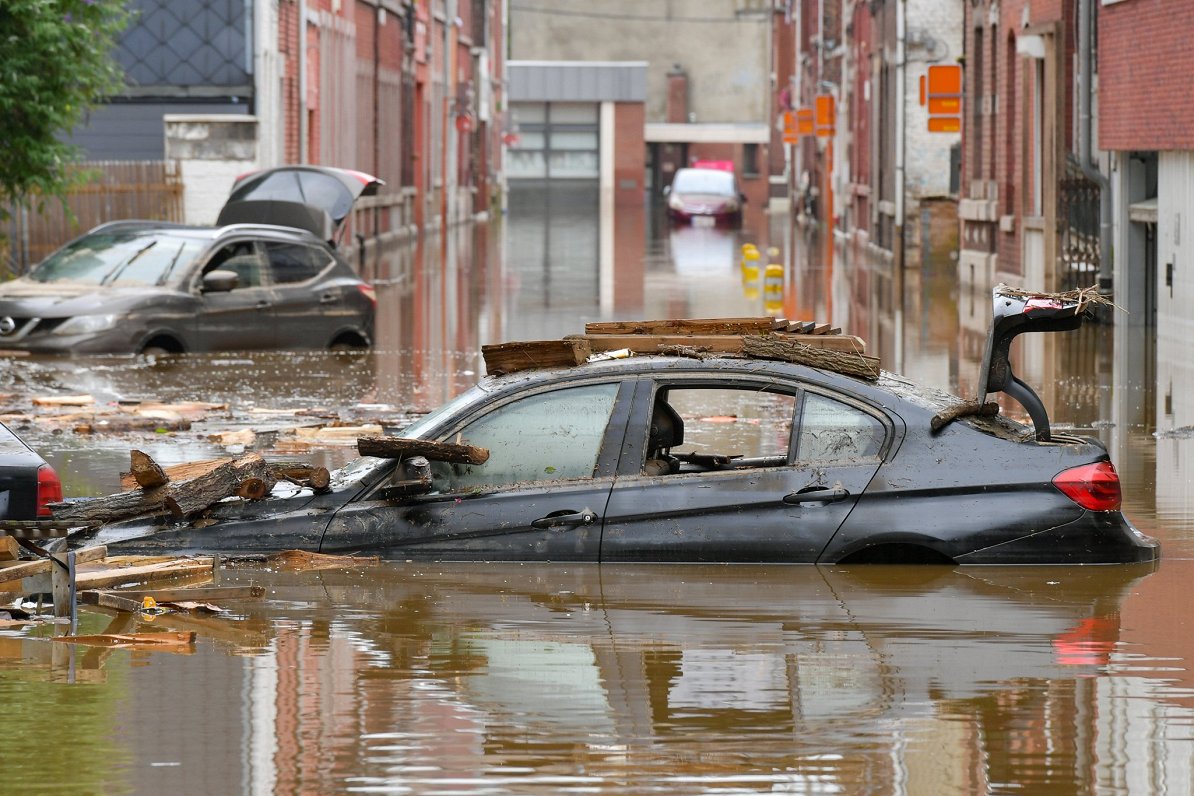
(219, 281)
(416, 480)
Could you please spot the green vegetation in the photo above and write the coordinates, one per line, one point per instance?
(55, 64)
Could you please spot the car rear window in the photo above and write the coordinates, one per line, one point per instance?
(119, 259)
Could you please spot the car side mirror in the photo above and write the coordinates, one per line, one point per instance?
(219, 281)
(416, 480)
(667, 189)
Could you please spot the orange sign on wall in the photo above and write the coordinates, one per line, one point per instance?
(825, 115)
(941, 92)
(791, 136)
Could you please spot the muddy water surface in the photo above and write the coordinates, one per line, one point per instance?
(512, 679)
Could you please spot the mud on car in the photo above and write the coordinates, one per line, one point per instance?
(725, 458)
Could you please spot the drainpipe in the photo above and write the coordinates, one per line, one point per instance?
(1085, 159)
(898, 242)
(302, 80)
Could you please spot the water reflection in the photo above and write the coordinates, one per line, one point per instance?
(539, 678)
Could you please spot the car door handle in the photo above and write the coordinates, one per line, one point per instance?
(821, 495)
(565, 519)
(262, 305)
(327, 298)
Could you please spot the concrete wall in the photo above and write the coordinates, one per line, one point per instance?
(212, 151)
(723, 45)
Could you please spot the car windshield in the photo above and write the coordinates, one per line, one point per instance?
(703, 181)
(119, 259)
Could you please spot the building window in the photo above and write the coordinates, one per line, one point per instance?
(750, 160)
(555, 141)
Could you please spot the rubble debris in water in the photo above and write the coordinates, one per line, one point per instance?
(305, 561)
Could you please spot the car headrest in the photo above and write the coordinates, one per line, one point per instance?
(667, 427)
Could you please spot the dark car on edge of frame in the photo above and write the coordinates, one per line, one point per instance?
(663, 458)
(27, 484)
(267, 276)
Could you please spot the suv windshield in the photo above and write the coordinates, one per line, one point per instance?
(124, 258)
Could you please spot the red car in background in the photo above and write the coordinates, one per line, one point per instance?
(705, 196)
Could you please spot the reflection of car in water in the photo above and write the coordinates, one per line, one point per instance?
(709, 196)
(664, 651)
(707, 252)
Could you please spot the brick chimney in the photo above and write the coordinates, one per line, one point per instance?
(677, 95)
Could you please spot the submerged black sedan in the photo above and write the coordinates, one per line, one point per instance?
(721, 459)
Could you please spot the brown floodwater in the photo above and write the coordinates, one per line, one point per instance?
(423, 678)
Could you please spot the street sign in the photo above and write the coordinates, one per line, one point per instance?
(825, 115)
(941, 93)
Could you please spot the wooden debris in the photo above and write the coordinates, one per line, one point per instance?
(252, 489)
(337, 433)
(162, 596)
(962, 409)
(180, 498)
(9, 549)
(63, 400)
(122, 425)
(145, 471)
(401, 447)
(787, 350)
(723, 344)
(136, 640)
(161, 570)
(686, 326)
(513, 357)
(304, 561)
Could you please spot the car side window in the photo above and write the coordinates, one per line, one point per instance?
(694, 429)
(832, 431)
(294, 262)
(549, 436)
(243, 259)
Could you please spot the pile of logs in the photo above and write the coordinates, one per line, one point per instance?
(801, 342)
(186, 489)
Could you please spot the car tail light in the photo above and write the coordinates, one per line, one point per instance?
(49, 489)
(368, 292)
(1092, 486)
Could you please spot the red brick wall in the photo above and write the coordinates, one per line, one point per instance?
(629, 118)
(1146, 64)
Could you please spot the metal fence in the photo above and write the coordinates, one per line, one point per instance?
(112, 191)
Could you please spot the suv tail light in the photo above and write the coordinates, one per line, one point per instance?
(1092, 486)
(368, 292)
(49, 489)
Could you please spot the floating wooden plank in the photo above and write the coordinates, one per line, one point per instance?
(16, 570)
(401, 448)
(719, 344)
(514, 357)
(717, 326)
(197, 593)
(63, 400)
(123, 425)
(787, 349)
(164, 570)
(305, 561)
(135, 640)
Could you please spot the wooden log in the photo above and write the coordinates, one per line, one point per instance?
(179, 472)
(252, 489)
(180, 498)
(400, 448)
(718, 326)
(788, 350)
(123, 425)
(145, 471)
(962, 409)
(513, 357)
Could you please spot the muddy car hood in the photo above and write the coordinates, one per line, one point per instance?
(27, 298)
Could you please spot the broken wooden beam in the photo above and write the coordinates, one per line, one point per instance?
(401, 447)
(167, 639)
(513, 357)
(197, 593)
(148, 573)
(718, 344)
(789, 350)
